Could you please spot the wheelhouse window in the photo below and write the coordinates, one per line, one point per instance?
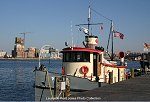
(76, 56)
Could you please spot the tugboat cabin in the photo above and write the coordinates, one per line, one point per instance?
(81, 62)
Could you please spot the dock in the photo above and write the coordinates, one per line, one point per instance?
(134, 89)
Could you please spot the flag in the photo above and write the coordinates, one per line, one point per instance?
(118, 34)
(101, 27)
(85, 30)
(146, 45)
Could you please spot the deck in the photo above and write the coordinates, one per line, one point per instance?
(135, 89)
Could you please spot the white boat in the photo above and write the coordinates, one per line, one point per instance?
(85, 68)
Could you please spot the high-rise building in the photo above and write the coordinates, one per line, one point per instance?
(18, 51)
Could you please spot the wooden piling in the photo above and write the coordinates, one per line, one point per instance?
(132, 73)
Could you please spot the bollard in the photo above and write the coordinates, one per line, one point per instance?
(127, 76)
(132, 73)
(140, 72)
(110, 77)
(146, 69)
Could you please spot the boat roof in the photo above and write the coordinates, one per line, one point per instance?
(81, 49)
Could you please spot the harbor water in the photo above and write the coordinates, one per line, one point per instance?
(17, 77)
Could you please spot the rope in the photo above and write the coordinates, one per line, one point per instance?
(109, 38)
(101, 15)
(43, 88)
(46, 74)
(49, 84)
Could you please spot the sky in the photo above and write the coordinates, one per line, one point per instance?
(49, 22)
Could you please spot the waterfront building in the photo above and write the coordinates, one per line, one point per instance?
(2, 54)
(32, 52)
(20, 52)
(54, 54)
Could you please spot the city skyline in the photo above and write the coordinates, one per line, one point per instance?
(50, 22)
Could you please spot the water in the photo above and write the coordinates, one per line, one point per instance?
(133, 64)
(17, 77)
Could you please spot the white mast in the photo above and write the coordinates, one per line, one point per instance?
(89, 18)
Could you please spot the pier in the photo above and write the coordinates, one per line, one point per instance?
(135, 89)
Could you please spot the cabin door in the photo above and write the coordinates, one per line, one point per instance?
(96, 64)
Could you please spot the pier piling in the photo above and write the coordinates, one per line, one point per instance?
(132, 73)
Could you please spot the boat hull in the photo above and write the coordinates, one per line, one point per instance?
(77, 84)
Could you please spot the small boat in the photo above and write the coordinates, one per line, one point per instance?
(83, 68)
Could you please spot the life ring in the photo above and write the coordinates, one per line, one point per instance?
(84, 69)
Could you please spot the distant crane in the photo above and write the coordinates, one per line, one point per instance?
(24, 33)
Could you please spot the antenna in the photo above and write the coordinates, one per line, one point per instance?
(24, 33)
(71, 33)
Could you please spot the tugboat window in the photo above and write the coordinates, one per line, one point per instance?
(76, 57)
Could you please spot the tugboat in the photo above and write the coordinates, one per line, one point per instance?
(83, 68)
(89, 62)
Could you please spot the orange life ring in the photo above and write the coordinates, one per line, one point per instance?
(84, 69)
